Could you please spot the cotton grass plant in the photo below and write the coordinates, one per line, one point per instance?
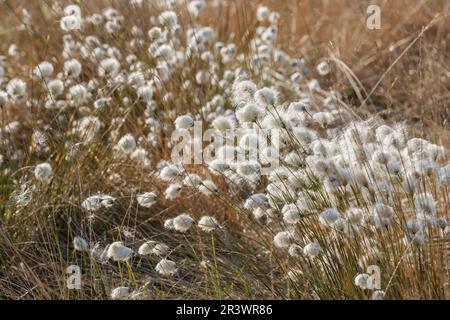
(88, 178)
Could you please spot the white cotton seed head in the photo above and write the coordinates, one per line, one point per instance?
(136, 79)
(208, 223)
(13, 50)
(70, 23)
(295, 250)
(145, 93)
(147, 248)
(218, 165)
(80, 244)
(443, 174)
(378, 295)
(16, 88)
(249, 113)
(247, 168)
(118, 252)
(3, 98)
(379, 222)
(72, 10)
(173, 191)
(354, 215)
(282, 239)
(258, 200)
(314, 85)
(265, 96)
(274, 17)
(207, 56)
(56, 87)
(394, 167)
(249, 141)
(12, 127)
(120, 293)
(43, 70)
(72, 68)
(415, 145)
(325, 119)
(78, 94)
(312, 249)
(383, 211)
(447, 229)
(127, 144)
(196, 7)
(362, 280)
(207, 187)
(192, 180)
(169, 173)
(419, 239)
(168, 224)
(99, 253)
(329, 217)
(414, 226)
(147, 199)
(323, 68)
(155, 33)
(382, 132)
(168, 18)
(166, 267)
(425, 204)
(87, 128)
(182, 222)
(205, 264)
(161, 249)
(140, 155)
(202, 77)
(261, 214)
(291, 216)
(97, 202)
(410, 183)
(262, 13)
(43, 172)
(222, 123)
(441, 222)
(109, 67)
(184, 122)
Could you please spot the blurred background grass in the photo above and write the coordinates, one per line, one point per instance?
(416, 88)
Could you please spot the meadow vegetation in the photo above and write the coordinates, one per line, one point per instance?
(91, 93)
